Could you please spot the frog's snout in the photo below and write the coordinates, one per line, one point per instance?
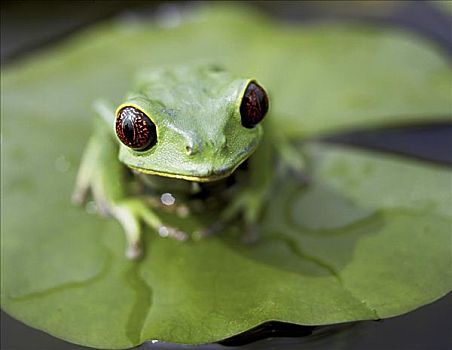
(194, 147)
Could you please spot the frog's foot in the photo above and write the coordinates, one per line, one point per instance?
(80, 197)
(172, 232)
(252, 234)
(82, 188)
(130, 214)
(248, 205)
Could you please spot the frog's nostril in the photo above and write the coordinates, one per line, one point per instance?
(189, 150)
(192, 147)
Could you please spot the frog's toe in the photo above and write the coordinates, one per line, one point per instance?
(172, 232)
(103, 207)
(127, 216)
(131, 213)
(82, 192)
(134, 251)
(79, 196)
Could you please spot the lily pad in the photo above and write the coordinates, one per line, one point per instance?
(367, 238)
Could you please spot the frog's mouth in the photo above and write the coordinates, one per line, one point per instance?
(214, 176)
(207, 174)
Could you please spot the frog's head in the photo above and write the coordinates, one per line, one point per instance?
(197, 123)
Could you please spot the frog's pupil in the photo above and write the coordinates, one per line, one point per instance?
(135, 129)
(127, 128)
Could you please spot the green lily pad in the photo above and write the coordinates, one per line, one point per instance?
(368, 238)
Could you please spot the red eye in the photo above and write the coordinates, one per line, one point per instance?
(135, 129)
(254, 105)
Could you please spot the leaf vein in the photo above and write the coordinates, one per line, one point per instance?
(295, 248)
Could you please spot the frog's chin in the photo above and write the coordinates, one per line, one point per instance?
(210, 177)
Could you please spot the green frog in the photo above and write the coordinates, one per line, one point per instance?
(183, 133)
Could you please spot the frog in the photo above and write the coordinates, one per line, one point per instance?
(186, 129)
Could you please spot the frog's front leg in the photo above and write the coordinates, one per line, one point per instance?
(251, 197)
(130, 213)
(102, 175)
(248, 205)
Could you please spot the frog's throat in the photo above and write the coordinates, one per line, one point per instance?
(193, 178)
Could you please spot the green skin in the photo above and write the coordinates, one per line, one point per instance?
(200, 138)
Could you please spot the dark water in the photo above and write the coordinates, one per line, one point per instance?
(26, 26)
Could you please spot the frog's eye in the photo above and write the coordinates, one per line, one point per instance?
(135, 129)
(254, 105)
